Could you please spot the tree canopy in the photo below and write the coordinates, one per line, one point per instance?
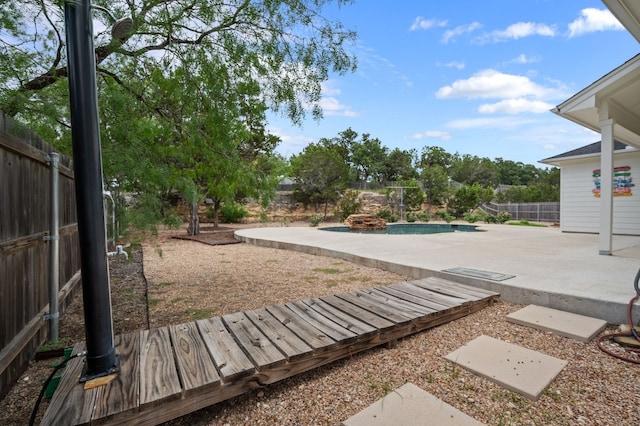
(183, 96)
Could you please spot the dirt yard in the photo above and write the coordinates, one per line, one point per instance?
(169, 281)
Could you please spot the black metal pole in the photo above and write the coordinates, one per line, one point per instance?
(87, 164)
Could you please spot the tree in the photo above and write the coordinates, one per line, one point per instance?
(368, 158)
(399, 165)
(268, 53)
(320, 175)
(435, 155)
(469, 169)
(259, 37)
(436, 184)
(467, 198)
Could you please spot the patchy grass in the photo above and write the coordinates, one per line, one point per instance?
(152, 302)
(328, 270)
(61, 343)
(198, 313)
(381, 386)
(525, 223)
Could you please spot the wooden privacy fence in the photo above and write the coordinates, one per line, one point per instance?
(538, 212)
(25, 239)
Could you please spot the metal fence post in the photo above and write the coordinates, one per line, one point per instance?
(54, 247)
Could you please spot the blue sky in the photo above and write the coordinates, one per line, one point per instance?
(471, 76)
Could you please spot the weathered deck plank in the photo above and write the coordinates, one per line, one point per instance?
(123, 393)
(79, 411)
(311, 335)
(172, 371)
(378, 306)
(228, 357)
(159, 379)
(291, 345)
(362, 329)
(322, 323)
(435, 284)
(476, 292)
(195, 366)
(398, 302)
(254, 343)
(356, 311)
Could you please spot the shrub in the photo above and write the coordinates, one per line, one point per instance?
(315, 219)
(233, 213)
(387, 215)
(470, 217)
(490, 219)
(445, 215)
(411, 217)
(503, 217)
(423, 216)
(348, 204)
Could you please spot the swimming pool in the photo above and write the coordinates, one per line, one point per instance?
(409, 229)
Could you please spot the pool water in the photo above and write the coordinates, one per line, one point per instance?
(409, 229)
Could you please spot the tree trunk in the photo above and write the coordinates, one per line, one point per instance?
(194, 220)
(216, 213)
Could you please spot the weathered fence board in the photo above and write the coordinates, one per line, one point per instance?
(24, 253)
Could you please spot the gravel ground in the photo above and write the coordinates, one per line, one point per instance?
(187, 280)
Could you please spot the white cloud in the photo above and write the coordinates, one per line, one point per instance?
(450, 35)
(493, 84)
(291, 143)
(424, 24)
(519, 30)
(592, 20)
(430, 134)
(515, 106)
(328, 89)
(378, 69)
(333, 107)
(452, 64)
(524, 59)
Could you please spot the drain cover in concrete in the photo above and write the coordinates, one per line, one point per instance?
(565, 324)
(516, 368)
(410, 406)
(477, 273)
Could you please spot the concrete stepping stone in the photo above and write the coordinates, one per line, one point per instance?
(410, 405)
(562, 323)
(516, 368)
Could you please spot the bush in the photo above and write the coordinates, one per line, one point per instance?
(423, 216)
(387, 215)
(470, 217)
(490, 219)
(445, 215)
(468, 198)
(503, 217)
(411, 217)
(233, 213)
(315, 219)
(348, 204)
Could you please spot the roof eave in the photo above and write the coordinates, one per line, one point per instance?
(628, 13)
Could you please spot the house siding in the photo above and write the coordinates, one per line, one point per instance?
(580, 209)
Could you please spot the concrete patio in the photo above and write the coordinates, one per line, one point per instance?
(558, 270)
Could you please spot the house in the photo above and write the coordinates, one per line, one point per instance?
(610, 107)
(580, 188)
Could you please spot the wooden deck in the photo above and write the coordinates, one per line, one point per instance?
(172, 371)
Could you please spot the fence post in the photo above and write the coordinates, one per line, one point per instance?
(54, 247)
